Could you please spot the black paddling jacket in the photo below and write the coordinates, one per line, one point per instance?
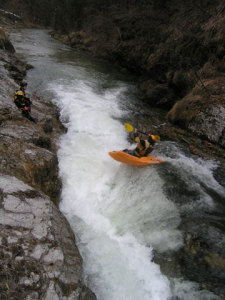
(21, 100)
(144, 147)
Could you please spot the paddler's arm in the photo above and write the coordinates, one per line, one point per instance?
(150, 140)
(136, 137)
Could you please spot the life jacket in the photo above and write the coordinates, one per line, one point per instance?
(143, 148)
(21, 100)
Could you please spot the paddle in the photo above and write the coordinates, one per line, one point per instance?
(130, 128)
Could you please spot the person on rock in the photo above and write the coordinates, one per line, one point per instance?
(144, 147)
(23, 102)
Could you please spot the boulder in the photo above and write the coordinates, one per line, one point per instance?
(202, 111)
(39, 259)
(5, 42)
(209, 123)
(157, 94)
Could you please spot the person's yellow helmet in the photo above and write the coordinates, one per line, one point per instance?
(155, 138)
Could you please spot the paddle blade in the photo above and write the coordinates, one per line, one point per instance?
(128, 127)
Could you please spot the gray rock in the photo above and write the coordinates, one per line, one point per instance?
(210, 123)
(34, 232)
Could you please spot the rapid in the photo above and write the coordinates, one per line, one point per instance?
(120, 214)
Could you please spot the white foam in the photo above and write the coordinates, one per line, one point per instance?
(121, 211)
(186, 290)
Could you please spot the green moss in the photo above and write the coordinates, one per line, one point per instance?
(2, 35)
(182, 113)
(215, 261)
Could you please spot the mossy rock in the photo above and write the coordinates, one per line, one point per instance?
(2, 35)
(157, 94)
(5, 43)
(181, 82)
(184, 111)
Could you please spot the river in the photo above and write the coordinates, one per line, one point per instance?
(120, 214)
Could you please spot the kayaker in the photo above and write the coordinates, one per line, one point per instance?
(144, 147)
(23, 102)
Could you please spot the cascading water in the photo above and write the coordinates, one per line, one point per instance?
(119, 213)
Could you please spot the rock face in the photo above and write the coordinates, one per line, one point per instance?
(203, 113)
(5, 42)
(28, 149)
(202, 257)
(39, 258)
(211, 124)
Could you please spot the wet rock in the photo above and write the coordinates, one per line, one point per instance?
(17, 68)
(210, 123)
(42, 141)
(48, 126)
(203, 259)
(203, 111)
(5, 43)
(27, 151)
(34, 165)
(157, 94)
(202, 256)
(181, 82)
(37, 246)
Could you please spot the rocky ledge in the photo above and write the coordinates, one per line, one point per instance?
(39, 257)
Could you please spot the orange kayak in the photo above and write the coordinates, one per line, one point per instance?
(133, 160)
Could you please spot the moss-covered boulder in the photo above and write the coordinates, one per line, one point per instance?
(203, 110)
(157, 94)
(5, 43)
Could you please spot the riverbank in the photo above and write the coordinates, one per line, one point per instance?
(39, 257)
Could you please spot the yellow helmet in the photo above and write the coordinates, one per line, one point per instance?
(155, 138)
